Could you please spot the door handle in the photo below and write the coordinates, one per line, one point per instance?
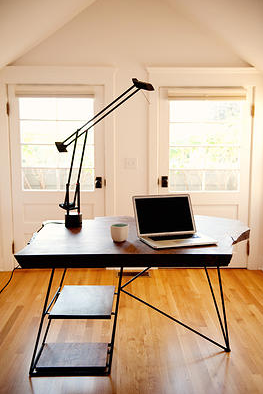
(164, 181)
(98, 182)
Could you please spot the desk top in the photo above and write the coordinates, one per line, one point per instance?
(91, 246)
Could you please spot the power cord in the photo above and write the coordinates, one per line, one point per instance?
(18, 267)
(12, 273)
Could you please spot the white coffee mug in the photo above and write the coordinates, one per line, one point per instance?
(119, 232)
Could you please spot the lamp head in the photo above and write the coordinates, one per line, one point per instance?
(142, 85)
(61, 147)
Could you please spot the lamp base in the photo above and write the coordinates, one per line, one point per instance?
(73, 220)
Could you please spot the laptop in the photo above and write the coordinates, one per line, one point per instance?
(167, 221)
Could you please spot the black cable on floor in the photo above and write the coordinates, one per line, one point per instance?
(12, 273)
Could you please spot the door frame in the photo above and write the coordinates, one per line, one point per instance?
(104, 76)
(246, 77)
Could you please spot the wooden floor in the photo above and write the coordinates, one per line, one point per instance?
(152, 354)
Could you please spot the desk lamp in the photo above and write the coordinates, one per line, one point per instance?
(74, 219)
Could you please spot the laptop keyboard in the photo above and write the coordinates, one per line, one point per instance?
(169, 237)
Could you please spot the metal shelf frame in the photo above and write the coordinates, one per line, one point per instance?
(103, 370)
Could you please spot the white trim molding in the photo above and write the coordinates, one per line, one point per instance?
(202, 70)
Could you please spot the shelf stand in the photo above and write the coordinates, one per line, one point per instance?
(72, 359)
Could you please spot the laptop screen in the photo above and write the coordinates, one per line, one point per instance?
(161, 215)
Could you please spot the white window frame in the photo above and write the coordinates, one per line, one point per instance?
(71, 91)
(246, 77)
(212, 93)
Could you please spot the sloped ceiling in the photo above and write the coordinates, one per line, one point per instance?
(238, 22)
(25, 24)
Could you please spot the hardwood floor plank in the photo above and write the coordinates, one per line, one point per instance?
(152, 353)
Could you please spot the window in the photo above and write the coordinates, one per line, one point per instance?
(205, 132)
(43, 120)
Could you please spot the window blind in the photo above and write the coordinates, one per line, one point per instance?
(207, 93)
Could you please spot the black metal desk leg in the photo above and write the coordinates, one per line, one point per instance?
(54, 299)
(115, 322)
(224, 310)
(33, 362)
(223, 326)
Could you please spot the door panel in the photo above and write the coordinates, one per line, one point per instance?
(187, 156)
(33, 206)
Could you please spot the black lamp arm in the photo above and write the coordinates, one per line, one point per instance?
(102, 117)
(94, 117)
(62, 146)
(76, 195)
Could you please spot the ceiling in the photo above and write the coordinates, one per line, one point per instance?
(238, 23)
(25, 24)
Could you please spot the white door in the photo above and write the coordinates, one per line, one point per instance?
(205, 151)
(39, 116)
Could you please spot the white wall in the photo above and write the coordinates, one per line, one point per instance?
(130, 35)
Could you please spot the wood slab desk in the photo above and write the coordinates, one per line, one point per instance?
(91, 246)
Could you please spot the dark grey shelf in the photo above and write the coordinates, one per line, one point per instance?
(72, 359)
(83, 302)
